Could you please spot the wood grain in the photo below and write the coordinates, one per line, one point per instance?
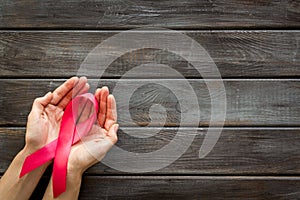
(177, 14)
(255, 45)
(255, 102)
(186, 187)
(236, 54)
(190, 187)
(247, 151)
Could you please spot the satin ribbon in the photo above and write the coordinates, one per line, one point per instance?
(59, 149)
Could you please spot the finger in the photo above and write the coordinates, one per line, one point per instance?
(40, 103)
(63, 90)
(102, 105)
(97, 94)
(83, 90)
(79, 88)
(112, 133)
(111, 112)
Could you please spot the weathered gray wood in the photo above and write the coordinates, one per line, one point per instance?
(189, 187)
(238, 151)
(255, 102)
(135, 13)
(184, 187)
(236, 53)
(12, 141)
(251, 152)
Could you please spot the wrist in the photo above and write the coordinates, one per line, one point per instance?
(74, 171)
(74, 178)
(27, 150)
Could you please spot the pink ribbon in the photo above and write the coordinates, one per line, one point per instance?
(59, 149)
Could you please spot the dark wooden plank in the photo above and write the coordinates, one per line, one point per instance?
(190, 187)
(255, 102)
(236, 54)
(251, 151)
(134, 13)
(184, 187)
(12, 141)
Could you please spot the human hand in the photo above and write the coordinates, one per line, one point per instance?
(44, 120)
(102, 136)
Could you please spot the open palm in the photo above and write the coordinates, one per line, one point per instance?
(45, 117)
(103, 135)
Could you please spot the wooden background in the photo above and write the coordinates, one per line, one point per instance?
(256, 46)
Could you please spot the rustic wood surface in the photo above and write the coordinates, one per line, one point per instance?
(186, 187)
(236, 53)
(255, 45)
(251, 151)
(190, 187)
(255, 102)
(118, 14)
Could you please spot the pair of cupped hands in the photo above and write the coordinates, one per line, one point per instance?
(44, 121)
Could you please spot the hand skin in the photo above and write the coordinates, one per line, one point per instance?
(93, 147)
(42, 127)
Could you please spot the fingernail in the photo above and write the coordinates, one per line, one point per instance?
(84, 78)
(47, 95)
(74, 78)
(105, 87)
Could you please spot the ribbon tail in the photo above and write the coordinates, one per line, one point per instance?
(38, 158)
(64, 143)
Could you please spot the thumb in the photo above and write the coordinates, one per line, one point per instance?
(40, 103)
(112, 133)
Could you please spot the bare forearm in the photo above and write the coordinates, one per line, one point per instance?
(73, 187)
(13, 187)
